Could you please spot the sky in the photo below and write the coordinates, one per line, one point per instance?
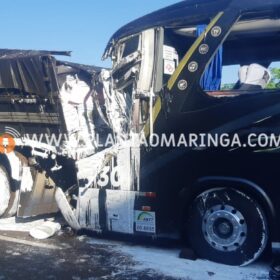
(83, 26)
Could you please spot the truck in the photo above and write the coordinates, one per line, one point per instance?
(154, 146)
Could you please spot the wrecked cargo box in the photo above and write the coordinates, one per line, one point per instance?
(31, 114)
(138, 149)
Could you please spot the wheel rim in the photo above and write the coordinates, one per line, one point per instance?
(224, 228)
(4, 192)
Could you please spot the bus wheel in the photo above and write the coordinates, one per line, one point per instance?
(5, 193)
(227, 226)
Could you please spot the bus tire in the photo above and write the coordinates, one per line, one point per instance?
(227, 226)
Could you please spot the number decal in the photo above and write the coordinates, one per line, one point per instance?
(115, 177)
(103, 177)
(107, 176)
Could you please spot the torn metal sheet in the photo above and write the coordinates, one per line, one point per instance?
(92, 70)
(28, 74)
(90, 167)
(77, 105)
(66, 209)
(14, 54)
(116, 108)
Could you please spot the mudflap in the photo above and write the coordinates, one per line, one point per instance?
(37, 194)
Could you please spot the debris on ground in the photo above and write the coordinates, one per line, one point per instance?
(188, 254)
(11, 224)
(46, 230)
(37, 228)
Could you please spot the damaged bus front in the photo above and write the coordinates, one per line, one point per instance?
(128, 128)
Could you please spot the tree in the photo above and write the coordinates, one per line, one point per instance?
(275, 81)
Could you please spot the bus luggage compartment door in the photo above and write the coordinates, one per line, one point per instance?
(108, 210)
(120, 210)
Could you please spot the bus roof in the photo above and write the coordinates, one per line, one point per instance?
(187, 12)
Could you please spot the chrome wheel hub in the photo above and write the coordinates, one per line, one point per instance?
(224, 228)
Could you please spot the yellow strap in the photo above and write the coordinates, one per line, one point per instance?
(181, 66)
(190, 52)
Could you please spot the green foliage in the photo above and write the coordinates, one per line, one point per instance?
(227, 86)
(275, 81)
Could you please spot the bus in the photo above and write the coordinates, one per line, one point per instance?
(155, 146)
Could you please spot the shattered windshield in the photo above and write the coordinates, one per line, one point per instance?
(127, 63)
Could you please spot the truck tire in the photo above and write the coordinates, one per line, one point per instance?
(5, 193)
(226, 226)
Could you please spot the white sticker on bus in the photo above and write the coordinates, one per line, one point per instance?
(145, 221)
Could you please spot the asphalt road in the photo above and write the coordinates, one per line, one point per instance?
(67, 256)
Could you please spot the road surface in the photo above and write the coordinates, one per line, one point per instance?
(77, 257)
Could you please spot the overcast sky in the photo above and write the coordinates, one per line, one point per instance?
(83, 26)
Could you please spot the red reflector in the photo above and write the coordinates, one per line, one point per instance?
(146, 208)
(151, 194)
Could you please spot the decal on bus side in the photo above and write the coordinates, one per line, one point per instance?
(109, 175)
(145, 221)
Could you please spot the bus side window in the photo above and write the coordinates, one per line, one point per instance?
(250, 60)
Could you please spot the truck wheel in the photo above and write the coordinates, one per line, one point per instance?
(227, 226)
(5, 193)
